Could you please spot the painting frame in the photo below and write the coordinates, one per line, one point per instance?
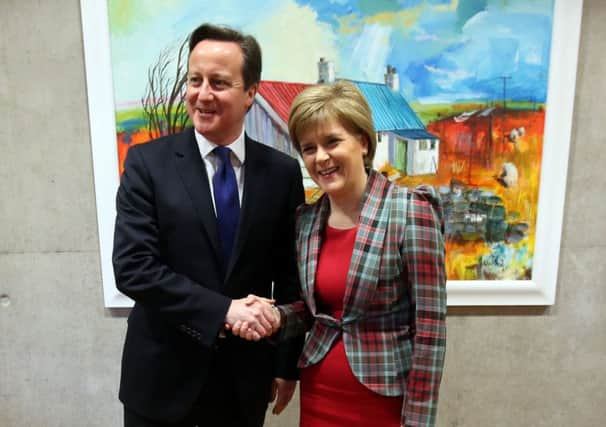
(540, 290)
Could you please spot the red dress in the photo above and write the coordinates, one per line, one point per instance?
(331, 396)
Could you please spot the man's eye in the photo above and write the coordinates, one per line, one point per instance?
(308, 149)
(220, 84)
(193, 80)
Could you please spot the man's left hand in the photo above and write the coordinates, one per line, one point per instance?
(282, 391)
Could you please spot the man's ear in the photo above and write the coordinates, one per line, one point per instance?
(250, 94)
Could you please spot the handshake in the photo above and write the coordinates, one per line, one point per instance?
(252, 318)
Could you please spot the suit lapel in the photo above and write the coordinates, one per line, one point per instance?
(365, 262)
(311, 231)
(192, 170)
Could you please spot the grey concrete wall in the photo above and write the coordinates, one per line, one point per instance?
(60, 350)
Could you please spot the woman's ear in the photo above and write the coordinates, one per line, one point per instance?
(365, 143)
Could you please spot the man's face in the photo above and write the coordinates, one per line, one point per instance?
(216, 98)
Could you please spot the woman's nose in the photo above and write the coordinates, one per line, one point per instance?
(321, 154)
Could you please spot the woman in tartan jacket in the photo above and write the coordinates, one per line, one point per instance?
(371, 265)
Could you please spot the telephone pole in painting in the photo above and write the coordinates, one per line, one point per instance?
(504, 78)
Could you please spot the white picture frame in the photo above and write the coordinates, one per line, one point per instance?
(540, 290)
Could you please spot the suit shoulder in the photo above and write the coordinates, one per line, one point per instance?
(307, 211)
(273, 154)
(304, 210)
(425, 194)
(425, 200)
(154, 153)
(158, 145)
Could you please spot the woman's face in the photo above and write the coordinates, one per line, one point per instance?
(334, 158)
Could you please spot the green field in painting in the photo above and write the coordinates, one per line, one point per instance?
(431, 112)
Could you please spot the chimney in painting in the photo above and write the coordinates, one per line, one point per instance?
(326, 71)
(392, 80)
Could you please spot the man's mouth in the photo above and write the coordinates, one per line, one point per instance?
(205, 111)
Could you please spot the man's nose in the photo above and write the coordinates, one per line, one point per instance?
(205, 91)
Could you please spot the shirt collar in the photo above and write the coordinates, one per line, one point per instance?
(206, 147)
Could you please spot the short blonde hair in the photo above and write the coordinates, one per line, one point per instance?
(341, 101)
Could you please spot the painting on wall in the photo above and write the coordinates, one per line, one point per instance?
(473, 97)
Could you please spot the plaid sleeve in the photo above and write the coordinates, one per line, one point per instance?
(423, 255)
(297, 320)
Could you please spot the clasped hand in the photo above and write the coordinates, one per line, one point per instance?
(252, 318)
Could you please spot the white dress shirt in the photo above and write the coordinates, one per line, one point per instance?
(211, 161)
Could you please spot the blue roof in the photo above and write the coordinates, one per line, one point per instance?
(415, 134)
(390, 111)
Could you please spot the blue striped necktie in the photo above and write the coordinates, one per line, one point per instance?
(227, 202)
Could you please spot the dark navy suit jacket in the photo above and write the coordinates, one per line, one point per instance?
(166, 258)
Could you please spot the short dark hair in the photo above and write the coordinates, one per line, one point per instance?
(251, 51)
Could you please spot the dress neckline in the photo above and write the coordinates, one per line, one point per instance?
(336, 230)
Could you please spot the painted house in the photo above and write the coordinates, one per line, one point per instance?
(402, 139)
(267, 119)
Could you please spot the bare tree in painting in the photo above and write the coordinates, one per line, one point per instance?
(163, 106)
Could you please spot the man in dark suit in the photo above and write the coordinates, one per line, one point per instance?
(204, 218)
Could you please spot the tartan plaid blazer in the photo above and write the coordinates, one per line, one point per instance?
(393, 324)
